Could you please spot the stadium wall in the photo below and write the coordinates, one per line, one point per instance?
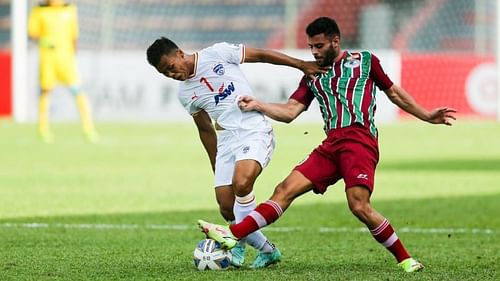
(462, 81)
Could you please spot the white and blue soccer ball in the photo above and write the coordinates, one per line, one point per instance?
(209, 255)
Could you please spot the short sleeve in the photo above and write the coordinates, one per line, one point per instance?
(303, 94)
(378, 75)
(231, 53)
(188, 104)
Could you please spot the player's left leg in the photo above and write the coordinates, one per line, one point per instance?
(358, 160)
(245, 173)
(358, 198)
(67, 72)
(83, 106)
(264, 214)
(226, 200)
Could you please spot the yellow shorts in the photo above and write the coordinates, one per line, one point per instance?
(58, 69)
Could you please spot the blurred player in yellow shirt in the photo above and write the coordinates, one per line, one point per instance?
(54, 25)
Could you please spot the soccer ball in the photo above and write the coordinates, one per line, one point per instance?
(209, 255)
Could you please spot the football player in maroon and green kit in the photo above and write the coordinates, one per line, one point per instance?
(346, 96)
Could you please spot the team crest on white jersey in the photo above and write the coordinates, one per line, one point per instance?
(219, 69)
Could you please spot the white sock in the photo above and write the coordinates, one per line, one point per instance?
(267, 247)
(242, 207)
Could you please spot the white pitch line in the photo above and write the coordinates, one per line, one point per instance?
(183, 227)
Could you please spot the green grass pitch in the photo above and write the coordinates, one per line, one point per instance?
(126, 208)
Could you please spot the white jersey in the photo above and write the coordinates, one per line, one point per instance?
(216, 85)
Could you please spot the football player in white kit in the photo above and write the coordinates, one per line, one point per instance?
(211, 82)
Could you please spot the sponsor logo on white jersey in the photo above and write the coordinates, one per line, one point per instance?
(224, 92)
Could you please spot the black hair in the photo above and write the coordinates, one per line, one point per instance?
(160, 47)
(325, 25)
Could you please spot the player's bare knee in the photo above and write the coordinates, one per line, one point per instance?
(282, 194)
(360, 209)
(242, 187)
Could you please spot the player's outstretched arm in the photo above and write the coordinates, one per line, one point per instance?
(310, 68)
(207, 134)
(441, 115)
(283, 112)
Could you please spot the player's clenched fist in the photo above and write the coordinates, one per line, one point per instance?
(248, 103)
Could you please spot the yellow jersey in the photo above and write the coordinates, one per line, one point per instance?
(55, 27)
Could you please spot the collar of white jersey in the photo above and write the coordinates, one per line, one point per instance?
(195, 66)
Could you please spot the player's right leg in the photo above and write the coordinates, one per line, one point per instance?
(245, 174)
(266, 213)
(48, 81)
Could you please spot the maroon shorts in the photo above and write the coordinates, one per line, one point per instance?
(350, 153)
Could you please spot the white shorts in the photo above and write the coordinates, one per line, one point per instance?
(236, 145)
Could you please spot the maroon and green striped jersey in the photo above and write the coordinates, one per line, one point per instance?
(346, 93)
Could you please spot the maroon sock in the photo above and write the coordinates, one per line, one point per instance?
(385, 235)
(265, 214)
